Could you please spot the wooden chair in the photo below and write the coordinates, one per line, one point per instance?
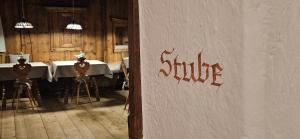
(126, 80)
(81, 67)
(22, 82)
(126, 75)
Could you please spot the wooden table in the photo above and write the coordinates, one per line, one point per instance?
(39, 70)
(117, 70)
(116, 66)
(65, 69)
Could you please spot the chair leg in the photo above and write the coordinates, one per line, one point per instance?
(78, 91)
(123, 85)
(14, 97)
(3, 98)
(87, 90)
(29, 93)
(96, 89)
(34, 99)
(74, 92)
(36, 95)
(126, 103)
(127, 99)
(66, 95)
(20, 89)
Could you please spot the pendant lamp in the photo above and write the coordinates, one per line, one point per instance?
(73, 25)
(23, 24)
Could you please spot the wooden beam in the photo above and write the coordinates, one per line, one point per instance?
(135, 119)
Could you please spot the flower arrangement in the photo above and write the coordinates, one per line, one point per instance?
(80, 56)
(21, 57)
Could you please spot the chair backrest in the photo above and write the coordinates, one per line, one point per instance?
(22, 70)
(125, 70)
(81, 67)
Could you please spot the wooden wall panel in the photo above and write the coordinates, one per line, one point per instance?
(115, 9)
(95, 37)
(8, 21)
(2, 57)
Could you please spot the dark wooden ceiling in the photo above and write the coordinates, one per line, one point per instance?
(65, 3)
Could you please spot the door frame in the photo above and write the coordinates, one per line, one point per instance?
(135, 118)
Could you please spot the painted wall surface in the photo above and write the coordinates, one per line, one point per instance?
(255, 42)
(2, 41)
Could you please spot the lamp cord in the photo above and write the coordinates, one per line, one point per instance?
(73, 10)
(23, 13)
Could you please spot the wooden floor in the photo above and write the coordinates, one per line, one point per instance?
(102, 120)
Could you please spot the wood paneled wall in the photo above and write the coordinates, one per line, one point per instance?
(49, 33)
(2, 58)
(111, 12)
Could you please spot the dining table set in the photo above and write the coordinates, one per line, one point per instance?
(52, 73)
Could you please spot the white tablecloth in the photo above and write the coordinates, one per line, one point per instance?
(38, 70)
(115, 67)
(61, 69)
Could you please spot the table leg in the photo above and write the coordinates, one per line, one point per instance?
(37, 93)
(66, 95)
(96, 89)
(38, 97)
(3, 97)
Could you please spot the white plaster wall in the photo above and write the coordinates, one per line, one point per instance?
(187, 110)
(271, 65)
(257, 44)
(2, 42)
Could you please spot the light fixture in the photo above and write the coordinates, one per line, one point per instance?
(73, 25)
(23, 24)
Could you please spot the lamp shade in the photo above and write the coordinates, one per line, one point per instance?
(23, 25)
(74, 26)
